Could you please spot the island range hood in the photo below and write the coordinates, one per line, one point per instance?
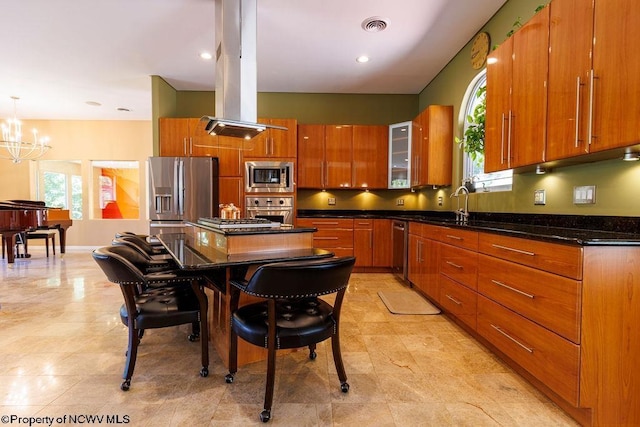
(236, 73)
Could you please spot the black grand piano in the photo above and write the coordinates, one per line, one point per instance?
(20, 216)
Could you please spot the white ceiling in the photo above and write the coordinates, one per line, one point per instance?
(58, 54)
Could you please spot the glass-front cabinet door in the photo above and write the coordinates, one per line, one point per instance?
(399, 155)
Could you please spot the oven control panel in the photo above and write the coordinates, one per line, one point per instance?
(269, 202)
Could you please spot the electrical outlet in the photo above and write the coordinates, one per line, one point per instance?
(331, 201)
(399, 202)
(539, 197)
(440, 200)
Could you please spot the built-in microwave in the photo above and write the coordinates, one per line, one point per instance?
(268, 177)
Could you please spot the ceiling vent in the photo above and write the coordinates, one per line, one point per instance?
(375, 24)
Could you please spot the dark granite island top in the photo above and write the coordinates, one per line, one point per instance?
(202, 247)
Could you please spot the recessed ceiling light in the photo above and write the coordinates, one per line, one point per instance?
(206, 55)
(93, 103)
(362, 59)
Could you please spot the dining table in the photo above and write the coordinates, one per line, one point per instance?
(197, 251)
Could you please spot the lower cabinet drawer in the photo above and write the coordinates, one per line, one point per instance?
(460, 265)
(548, 299)
(458, 300)
(552, 359)
(337, 238)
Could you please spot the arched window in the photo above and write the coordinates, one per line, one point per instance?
(473, 165)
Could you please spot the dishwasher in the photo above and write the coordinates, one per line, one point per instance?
(400, 250)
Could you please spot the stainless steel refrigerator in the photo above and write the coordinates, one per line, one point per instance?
(180, 189)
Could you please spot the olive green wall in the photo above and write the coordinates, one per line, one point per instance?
(614, 180)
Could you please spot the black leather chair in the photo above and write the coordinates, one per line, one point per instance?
(155, 251)
(141, 259)
(156, 300)
(292, 316)
(160, 259)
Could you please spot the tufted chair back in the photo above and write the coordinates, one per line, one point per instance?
(292, 316)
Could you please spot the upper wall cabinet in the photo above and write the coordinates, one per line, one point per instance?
(517, 97)
(187, 137)
(325, 156)
(274, 142)
(370, 145)
(184, 137)
(432, 146)
(400, 142)
(615, 89)
(570, 43)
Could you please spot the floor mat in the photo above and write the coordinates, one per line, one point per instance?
(407, 302)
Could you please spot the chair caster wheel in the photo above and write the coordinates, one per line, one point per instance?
(344, 387)
(228, 378)
(193, 337)
(125, 385)
(204, 372)
(313, 355)
(265, 416)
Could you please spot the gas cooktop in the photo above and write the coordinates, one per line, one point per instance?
(238, 223)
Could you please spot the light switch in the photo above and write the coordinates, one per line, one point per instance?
(539, 197)
(331, 201)
(584, 195)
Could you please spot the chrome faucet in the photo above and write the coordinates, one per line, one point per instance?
(462, 214)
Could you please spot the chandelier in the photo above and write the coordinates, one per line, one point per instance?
(17, 149)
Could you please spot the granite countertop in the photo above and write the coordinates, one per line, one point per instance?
(570, 229)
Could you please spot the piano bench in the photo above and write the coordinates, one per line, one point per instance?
(46, 235)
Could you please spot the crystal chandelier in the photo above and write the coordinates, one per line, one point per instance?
(17, 149)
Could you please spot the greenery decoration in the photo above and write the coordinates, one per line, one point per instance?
(473, 142)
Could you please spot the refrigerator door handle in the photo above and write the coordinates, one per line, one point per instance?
(180, 187)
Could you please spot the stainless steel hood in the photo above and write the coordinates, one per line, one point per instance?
(236, 75)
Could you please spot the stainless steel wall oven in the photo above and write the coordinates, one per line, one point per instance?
(273, 208)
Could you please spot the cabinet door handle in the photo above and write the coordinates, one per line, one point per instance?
(592, 77)
(514, 250)
(324, 223)
(578, 112)
(497, 328)
(502, 140)
(325, 238)
(509, 139)
(455, 301)
(184, 146)
(512, 289)
(453, 264)
(450, 236)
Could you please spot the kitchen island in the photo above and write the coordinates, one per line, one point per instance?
(221, 254)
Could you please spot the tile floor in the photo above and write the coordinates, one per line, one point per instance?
(62, 354)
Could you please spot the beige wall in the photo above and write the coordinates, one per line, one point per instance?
(85, 141)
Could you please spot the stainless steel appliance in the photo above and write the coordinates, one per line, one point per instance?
(268, 177)
(278, 209)
(180, 189)
(399, 265)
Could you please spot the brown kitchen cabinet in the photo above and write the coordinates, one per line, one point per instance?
(325, 156)
(185, 137)
(517, 97)
(372, 242)
(334, 234)
(432, 146)
(570, 49)
(423, 254)
(370, 156)
(593, 78)
(232, 191)
(274, 143)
